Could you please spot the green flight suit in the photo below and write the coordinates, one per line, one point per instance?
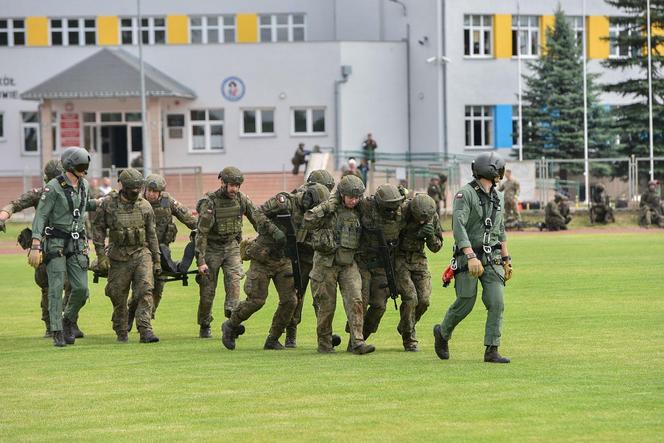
(468, 228)
(60, 223)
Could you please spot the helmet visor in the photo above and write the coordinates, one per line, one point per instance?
(83, 167)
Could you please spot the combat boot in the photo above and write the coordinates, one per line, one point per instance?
(68, 331)
(122, 337)
(336, 340)
(291, 337)
(228, 335)
(440, 344)
(48, 333)
(272, 343)
(491, 355)
(239, 330)
(205, 331)
(147, 336)
(130, 319)
(77, 332)
(411, 347)
(58, 339)
(363, 348)
(325, 350)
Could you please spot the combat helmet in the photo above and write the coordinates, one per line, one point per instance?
(489, 166)
(323, 177)
(130, 178)
(52, 169)
(318, 194)
(75, 159)
(351, 186)
(423, 207)
(155, 182)
(231, 175)
(388, 196)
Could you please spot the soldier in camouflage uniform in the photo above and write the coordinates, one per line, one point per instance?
(510, 188)
(30, 199)
(651, 207)
(269, 262)
(382, 211)
(336, 229)
(95, 194)
(556, 214)
(132, 258)
(164, 207)
(434, 191)
(218, 237)
(322, 177)
(480, 254)
(600, 208)
(413, 276)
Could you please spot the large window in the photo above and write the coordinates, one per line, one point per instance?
(12, 32)
(477, 35)
(207, 130)
(153, 30)
(620, 49)
(308, 121)
(30, 132)
(479, 126)
(257, 122)
(576, 23)
(282, 28)
(73, 31)
(90, 131)
(212, 29)
(2, 125)
(525, 35)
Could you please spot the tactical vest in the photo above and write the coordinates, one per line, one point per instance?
(347, 232)
(409, 241)
(375, 220)
(166, 229)
(227, 215)
(127, 224)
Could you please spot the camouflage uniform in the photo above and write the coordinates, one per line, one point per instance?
(413, 276)
(435, 192)
(554, 219)
(650, 208)
(133, 251)
(218, 246)
(600, 208)
(510, 189)
(90, 220)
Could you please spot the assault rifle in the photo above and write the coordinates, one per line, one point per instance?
(385, 257)
(293, 253)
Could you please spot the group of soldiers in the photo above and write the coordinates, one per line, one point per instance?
(372, 248)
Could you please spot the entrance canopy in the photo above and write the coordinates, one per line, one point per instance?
(109, 73)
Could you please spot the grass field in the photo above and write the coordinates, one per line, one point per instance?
(584, 326)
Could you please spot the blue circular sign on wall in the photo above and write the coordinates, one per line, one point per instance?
(232, 88)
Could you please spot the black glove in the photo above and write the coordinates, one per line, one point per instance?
(279, 237)
(426, 231)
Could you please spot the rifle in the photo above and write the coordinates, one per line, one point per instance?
(293, 253)
(384, 253)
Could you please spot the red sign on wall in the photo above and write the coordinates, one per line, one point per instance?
(70, 133)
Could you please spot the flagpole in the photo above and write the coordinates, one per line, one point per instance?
(586, 163)
(650, 125)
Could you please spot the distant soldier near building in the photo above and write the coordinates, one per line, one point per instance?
(434, 191)
(511, 188)
(600, 208)
(218, 244)
(556, 214)
(651, 207)
(132, 258)
(422, 227)
(165, 207)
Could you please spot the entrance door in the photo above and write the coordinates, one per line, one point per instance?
(136, 146)
(114, 146)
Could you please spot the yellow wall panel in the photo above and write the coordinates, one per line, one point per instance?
(37, 31)
(502, 35)
(108, 30)
(546, 21)
(598, 28)
(658, 49)
(247, 28)
(177, 29)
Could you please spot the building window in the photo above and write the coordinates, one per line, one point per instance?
(30, 132)
(90, 131)
(153, 30)
(2, 125)
(479, 127)
(212, 29)
(619, 30)
(515, 126)
(207, 130)
(576, 23)
(308, 121)
(55, 130)
(12, 32)
(477, 35)
(257, 122)
(282, 28)
(73, 31)
(525, 35)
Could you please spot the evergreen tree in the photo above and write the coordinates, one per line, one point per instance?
(632, 61)
(553, 104)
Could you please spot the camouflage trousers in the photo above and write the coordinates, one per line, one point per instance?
(41, 279)
(256, 287)
(414, 285)
(137, 274)
(227, 258)
(511, 209)
(305, 270)
(648, 216)
(325, 276)
(555, 224)
(156, 298)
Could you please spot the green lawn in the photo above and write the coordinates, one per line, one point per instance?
(584, 326)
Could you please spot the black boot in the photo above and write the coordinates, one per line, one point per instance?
(122, 337)
(228, 335)
(77, 332)
(48, 333)
(58, 339)
(205, 331)
(291, 337)
(239, 330)
(147, 336)
(130, 319)
(363, 348)
(491, 355)
(272, 343)
(411, 347)
(440, 344)
(68, 331)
